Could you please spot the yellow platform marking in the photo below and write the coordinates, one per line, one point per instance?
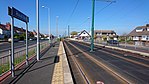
(58, 77)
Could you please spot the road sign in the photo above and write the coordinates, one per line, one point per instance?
(14, 13)
(17, 14)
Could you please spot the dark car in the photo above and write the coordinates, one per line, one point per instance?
(112, 42)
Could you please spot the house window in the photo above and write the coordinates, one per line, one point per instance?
(84, 33)
(139, 29)
(147, 38)
(135, 38)
(143, 36)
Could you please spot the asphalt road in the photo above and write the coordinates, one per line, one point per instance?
(6, 46)
(131, 68)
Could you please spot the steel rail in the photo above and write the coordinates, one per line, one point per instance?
(104, 66)
(86, 79)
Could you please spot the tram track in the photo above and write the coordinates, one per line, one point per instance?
(100, 67)
(125, 75)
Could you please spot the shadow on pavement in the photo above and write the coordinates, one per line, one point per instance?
(19, 73)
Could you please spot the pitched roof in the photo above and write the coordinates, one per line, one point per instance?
(104, 31)
(19, 29)
(144, 32)
(82, 32)
(35, 33)
(2, 27)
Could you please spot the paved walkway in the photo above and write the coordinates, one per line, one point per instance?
(52, 68)
(39, 72)
(58, 69)
(62, 74)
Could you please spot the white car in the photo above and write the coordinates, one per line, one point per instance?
(15, 40)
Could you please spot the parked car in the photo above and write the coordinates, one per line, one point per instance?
(15, 40)
(112, 42)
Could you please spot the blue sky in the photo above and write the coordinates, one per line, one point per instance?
(122, 16)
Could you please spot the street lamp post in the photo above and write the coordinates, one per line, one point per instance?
(57, 26)
(89, 24)
(37, 20)
(68, 31)
(48, 22)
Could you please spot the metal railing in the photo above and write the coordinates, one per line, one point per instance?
(19, 55)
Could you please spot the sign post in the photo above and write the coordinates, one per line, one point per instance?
(14, 13)
(12, 47)
(26, 43)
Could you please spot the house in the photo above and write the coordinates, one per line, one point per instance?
(140, 35)
(17, 30)
(83, 35)
(4, 32)
(103, 35)
(35, 34)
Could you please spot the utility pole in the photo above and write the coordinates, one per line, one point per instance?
(92, 29)
(37, 20)
(49, 24)
(68, 31)
(57, 26)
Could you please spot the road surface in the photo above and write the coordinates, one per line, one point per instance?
(107, 65)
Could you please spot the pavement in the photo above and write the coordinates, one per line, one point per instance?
(62, 74)
(52, 68)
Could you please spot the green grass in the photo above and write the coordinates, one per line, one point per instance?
(5, 67)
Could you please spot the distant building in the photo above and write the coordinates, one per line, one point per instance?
(83, 35)
(17, 30)
(103, 35)
(35, 34)
(140, 35)
(4, 32)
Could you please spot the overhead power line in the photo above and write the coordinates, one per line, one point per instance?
(104, 8)
(98, 12)
(84, 22)
(73, 10)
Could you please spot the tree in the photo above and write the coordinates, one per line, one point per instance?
(123, 37)
(31, 35)
(74, 33)
(22, 36)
